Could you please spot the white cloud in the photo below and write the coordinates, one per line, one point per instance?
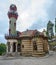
(41, 29)
(1, 35)
(30, 11)
(2, 39)
(3, 11)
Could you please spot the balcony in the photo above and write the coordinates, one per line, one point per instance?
(10, 36)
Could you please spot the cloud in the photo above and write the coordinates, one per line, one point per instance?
(41, 29)
(2, 39)
(1, 35)
(52, 10)
(33, 14)
(31, 11)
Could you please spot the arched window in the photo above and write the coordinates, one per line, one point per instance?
(9, 31)
(10, 21)
(14, 24)
(22, 46)
(34, 45)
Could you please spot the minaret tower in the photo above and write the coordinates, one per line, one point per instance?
(13, 15)
(12, 38)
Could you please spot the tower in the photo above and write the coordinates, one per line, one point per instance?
(13, 15)
(12, 38)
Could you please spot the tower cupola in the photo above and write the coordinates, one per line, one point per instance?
(13, 11)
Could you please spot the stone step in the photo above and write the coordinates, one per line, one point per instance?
(38, 54)
(12, 54)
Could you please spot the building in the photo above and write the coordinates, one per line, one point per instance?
(27, 43)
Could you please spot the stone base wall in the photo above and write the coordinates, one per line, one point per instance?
(27, 50)
(39, 51)
(26, 47)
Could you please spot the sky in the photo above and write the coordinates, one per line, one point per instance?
(33, 14)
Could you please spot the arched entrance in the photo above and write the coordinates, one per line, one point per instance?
(34, 46)
(19, 47)
(8, 44)
(14, 47)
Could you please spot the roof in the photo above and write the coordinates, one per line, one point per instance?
(30, 33)
(27, 33)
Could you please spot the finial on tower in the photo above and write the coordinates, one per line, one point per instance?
(13, 7)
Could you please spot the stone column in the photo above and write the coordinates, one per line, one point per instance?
(11, 47)
(7, 48)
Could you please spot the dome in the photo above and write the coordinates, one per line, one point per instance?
(13, 7)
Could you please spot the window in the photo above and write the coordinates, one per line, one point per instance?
(34, 45)
(22, 46)
(14, 24)
(9, 31)
(10, 22)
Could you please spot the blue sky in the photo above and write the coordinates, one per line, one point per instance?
(33, 14)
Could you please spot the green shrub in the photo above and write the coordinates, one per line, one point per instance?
(2, 48)
(53, 43)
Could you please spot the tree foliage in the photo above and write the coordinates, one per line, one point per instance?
(53, 43)
(2, 48)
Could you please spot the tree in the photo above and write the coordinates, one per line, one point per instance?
(2, 48)
(50, 33)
